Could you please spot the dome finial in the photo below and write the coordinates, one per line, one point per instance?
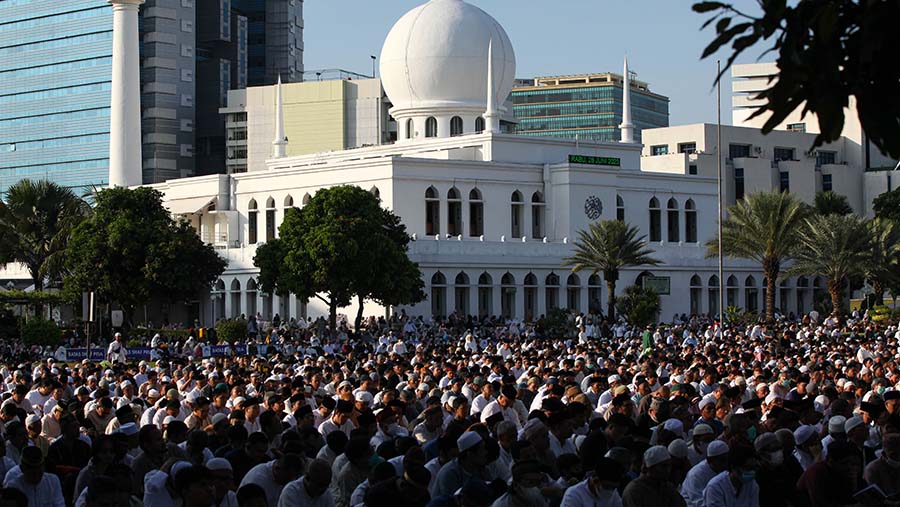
(491, 120)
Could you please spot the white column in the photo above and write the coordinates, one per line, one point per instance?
(626, 128)
(443, 126)
(125, 115)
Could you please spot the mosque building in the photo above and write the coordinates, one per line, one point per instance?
(492, 214)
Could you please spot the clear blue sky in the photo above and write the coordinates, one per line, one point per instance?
(662, 39)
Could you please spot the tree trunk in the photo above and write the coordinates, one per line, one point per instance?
(332, 316)
(878, 288)
(771, 269)
(359, 314)
(38, 288)
(836, 290)
(611, 300)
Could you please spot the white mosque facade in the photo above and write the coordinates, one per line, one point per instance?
(493, 215)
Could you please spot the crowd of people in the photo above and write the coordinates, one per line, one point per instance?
(468, 413)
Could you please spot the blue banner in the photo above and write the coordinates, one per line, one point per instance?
(138, 353)
(224, 350)
(80, 354)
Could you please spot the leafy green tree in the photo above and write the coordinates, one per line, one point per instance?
(763, 227)
(607, 247)
(836, 247)
(340, 245)
(131, 251)
(826, 52)
(882, 268)
(639, 306)
(36, 222)
(887, 205)
(829, 203)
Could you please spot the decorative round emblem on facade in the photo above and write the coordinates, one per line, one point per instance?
(593, 208)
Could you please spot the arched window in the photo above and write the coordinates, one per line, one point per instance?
(672, 221)
(461, 290)
(476, 213)
(218, 300)
(751, 294)
(690, 221)
(438, 295)
(485, 295)
(516, 207)
(251, 297)
(573, 292)
(551, 291)
(235, 298)
(377, 193)
(530, 296)
(479, 125)
(410, 130)
(289, 201)
(713, 293)
(731, 291)
(270, 219)
(431, 127)
(454, 212)
(432, 212)
(784, 296)
(252, 222)
(655, 221)
(620, 209)
(305, 199)
(537, 215)
(595, 304)
(456, 126)
(696, 294)
(508, 296)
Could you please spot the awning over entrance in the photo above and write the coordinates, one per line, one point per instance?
(190, 205)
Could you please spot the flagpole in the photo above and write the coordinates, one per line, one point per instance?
(719, 194)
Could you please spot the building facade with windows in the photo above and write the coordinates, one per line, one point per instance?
(588, 106)
(55, 68)
(749, 80)
(55, 79)
(752, 162)
(320, 116)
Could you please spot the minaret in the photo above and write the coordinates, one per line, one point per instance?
(125, 168)
(626, 127)
(491, 118)
(280, 141)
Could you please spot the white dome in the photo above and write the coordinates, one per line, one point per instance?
(435, 57)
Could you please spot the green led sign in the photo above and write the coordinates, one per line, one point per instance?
(588, 160)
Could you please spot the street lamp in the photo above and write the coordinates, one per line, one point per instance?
(374, 58)
(318, 76)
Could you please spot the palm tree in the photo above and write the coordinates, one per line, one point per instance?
(35, 223)
(883, 266)
(763, 227)
(836, 247)
(608, 246)
(830, 203)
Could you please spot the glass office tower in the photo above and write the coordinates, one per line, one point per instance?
(55, 76)
(586, 105)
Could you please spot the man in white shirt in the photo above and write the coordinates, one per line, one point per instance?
(503, 405)
(116, 351)
(699, 476)
(41, 489)
(339, 420)
(482, 399)
(735, 487)
(600, 489)
(311, 490)
(274, 475)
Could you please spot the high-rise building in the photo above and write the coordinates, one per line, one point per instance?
(55, 82)
(275, 39)
(588, 106)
